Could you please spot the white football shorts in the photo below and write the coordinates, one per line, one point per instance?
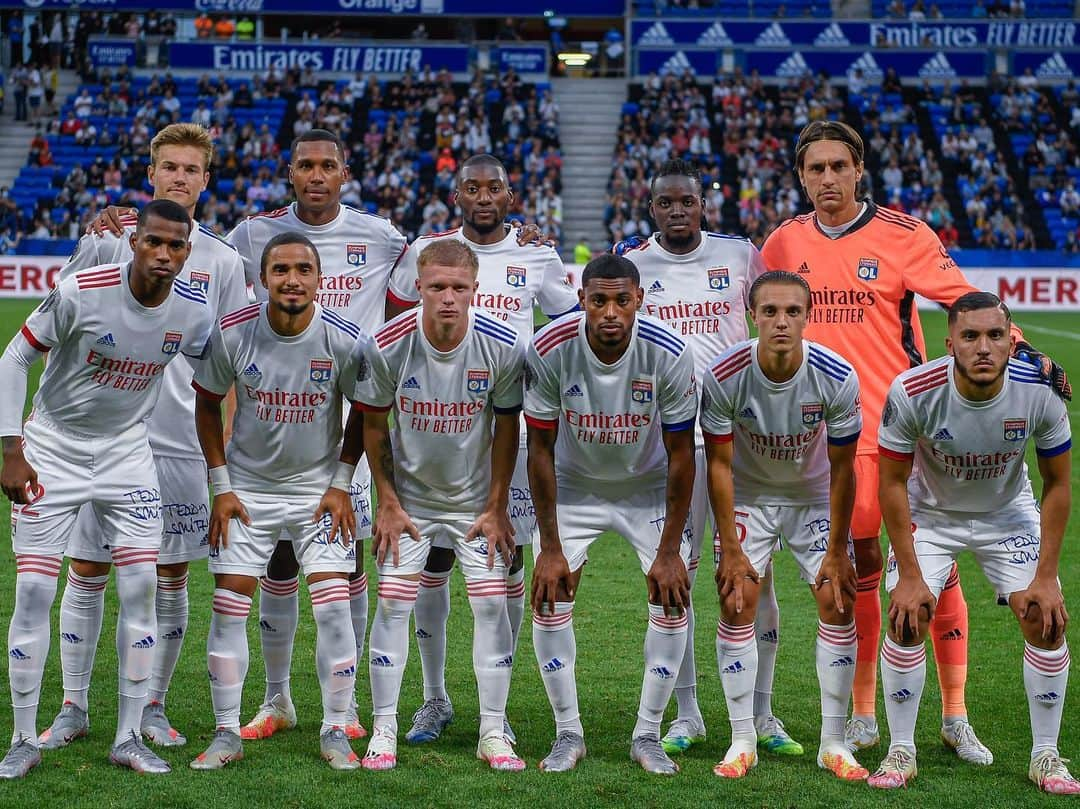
(447, 532)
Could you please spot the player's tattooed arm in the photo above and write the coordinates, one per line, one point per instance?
(1044, 592)
(911, 604)
(733, 568)
(551, 579)
(493, 523)
(18, 478)
(391, 521)
(668, 581)
(836, 568)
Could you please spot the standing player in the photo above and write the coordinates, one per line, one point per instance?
(953, 478)
(698, 282)
(864, 265)
(180, 157)
(451, 375)
(512, 279)
(782, 418)
(292, 362)
(610, 400)
(87, 443)
(357, 251)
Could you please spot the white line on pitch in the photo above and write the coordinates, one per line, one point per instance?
(1051, 332)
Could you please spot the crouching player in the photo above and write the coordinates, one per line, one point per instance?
(953, 478)
(451, 375)
(781, 418)
(291, 361)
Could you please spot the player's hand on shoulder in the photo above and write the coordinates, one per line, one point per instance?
(911, 602)
(226, 507)
(1049, 370)
(391, 522)
(336, 508)
(1044, 594)
(108, 221)
(733, 571)
(550, 569)
(530, 234)
(669, 583)
(494, 526)
(18, 478)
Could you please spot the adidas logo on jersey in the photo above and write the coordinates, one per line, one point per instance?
(18, 654)
(656, 34)
(505, 663)
(656, 286)
(552, 666)
(840, 662)
(251, 371)
(106, 340)
(735, 668)
(772, 636)
(382, 661)
(943, 435)
(411, 384)
(833, 37)
(348, 671)
(663, 672)
(574, 390)
(903, 695)
(266, 626)
(678, 63)
(747, 413)
(793, 67)
(952, 634)
(937, 67)
(70, 637)
(1049, 696)
(174, 634)
(422, 633)
(871, 71)
(773, 35)
(714, 36)
(804, 267)
(1054, 68)
(146, 643)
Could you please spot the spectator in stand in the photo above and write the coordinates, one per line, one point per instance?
(245, 28)
(949, 235)
(224, 27)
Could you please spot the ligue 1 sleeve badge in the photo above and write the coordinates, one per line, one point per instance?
(356, 254)
(171, 344)
(321, 370)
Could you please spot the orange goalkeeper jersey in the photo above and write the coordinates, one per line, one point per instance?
(864, 286)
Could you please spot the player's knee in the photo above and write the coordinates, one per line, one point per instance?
(489, 608)
(729, 608)
(868, 559)
(283, 565)
(519, 561)
(439, 560)
(88, 569)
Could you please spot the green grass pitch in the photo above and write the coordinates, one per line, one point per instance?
(610, 619)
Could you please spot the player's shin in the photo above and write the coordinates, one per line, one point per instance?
(868, 627)
(903, 675)
(227, 656)
(949, 631)
(28, 637)
(171, 606)
(686, 682)
(136, 634)
(835, 656)
(389, 647)
(335, 649)
(81, 610)
(737, 658)
(432, 611)
(358, 612)
(515, 603)
(279, 612)
(665, 645)
(767, 629)
(1046, 675)
(492, 650)
(556, 652)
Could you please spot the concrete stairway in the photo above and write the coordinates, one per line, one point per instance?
(589, 111)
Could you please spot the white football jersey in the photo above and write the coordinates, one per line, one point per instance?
(609, 417)
(969, 456)
(513, 279)
(357, 251)
(444, 405)
(108, 352)
(287, 430)
(780, 429)
(704, 294)
(215, 267)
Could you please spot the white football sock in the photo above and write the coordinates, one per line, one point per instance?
(737, 657)
(903, 674)
(767, 630)
(358, 612)
(665, 645)
(28, 637)
(835, 655)
(556, 652)
(82, 608)
(493, 654)
(172, 619)
(227, 656)
(515, 605)
(136, 634)
(335, 649)
(686, 683)
(1046, 675)
(279, 614)
(389, 646)
(432, 610)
